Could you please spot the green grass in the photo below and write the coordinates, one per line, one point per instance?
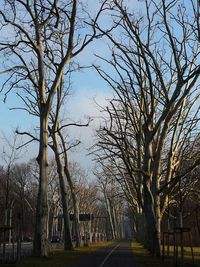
(144, 259)
(61, 258)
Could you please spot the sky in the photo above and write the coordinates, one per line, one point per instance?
(86, 86)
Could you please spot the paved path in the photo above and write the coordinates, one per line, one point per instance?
(117, 255)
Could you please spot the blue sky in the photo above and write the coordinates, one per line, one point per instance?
(86, 85)
(82, 81)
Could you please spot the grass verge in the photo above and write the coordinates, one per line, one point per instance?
(61, 258)
(144, 259)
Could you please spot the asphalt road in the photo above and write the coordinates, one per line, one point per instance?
(117, 255)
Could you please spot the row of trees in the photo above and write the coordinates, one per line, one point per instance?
(148, 139)
(20, 183)
(152, 120)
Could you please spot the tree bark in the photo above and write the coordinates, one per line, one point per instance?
(149, 198)
(110, 216)
(151, 223)
(75, 205)
(40, 245)
(73, 193)
(67, 233)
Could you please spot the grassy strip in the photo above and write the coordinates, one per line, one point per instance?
(144, 259)
(61, 258)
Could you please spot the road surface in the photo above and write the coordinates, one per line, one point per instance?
(117, 255)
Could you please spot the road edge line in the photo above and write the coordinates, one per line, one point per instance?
(107, 257)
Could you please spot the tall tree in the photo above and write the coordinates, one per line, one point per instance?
(45, 37)
(154, 112)
(60, 147)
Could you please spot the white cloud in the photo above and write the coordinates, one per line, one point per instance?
(82, 106)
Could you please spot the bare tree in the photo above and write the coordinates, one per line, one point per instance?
(63, 188)
(114, 202)
(9, 156)
(154, 112)
(45, 37)
(60, 147)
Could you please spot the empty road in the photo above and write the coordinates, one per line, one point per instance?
(117, 255)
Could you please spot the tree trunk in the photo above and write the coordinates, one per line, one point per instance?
(158, 217)
(141, 232)
(114, 217)
(67, 233)
(149, 198)
(40, 245)
(73, 193)
(75, 205)
(110, 216)
(151, 223)
(197, 219)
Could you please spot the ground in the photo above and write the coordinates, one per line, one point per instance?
(106, 254)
